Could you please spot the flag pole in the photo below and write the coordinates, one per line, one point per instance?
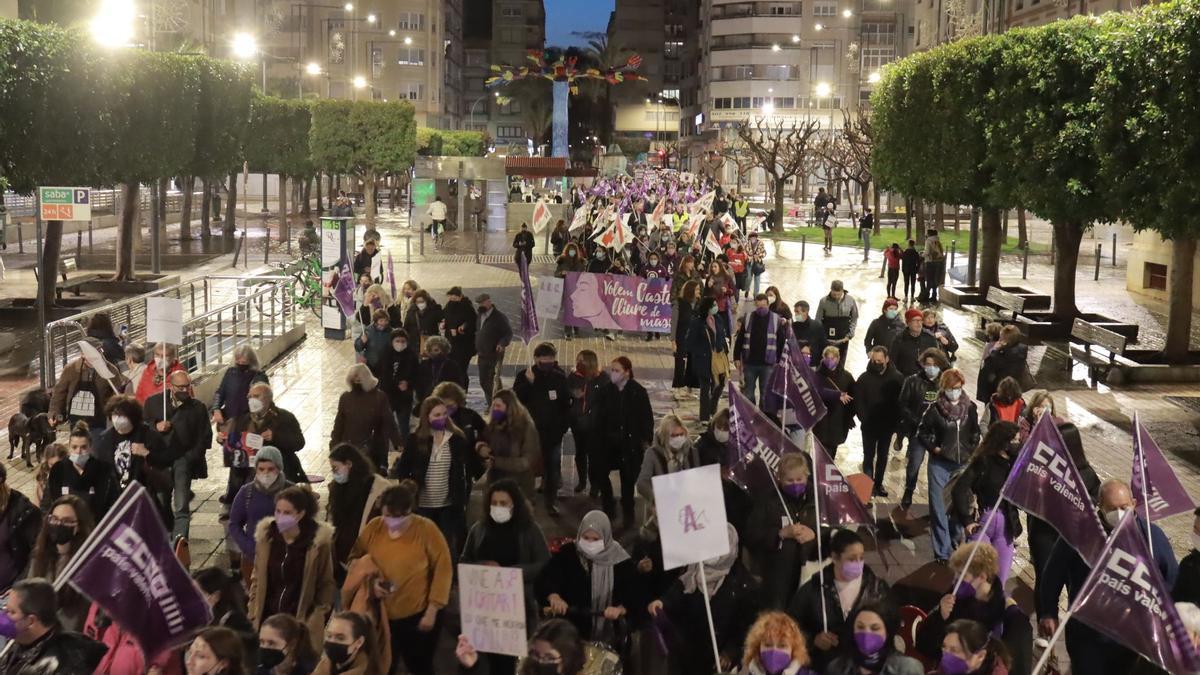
(1140, 455)
(987, 524)
(820, 556)
(168, 368)
(1049, 651)
(712, 631)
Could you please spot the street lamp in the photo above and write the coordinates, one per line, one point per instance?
(768, 109)
(873, 77)
(349, 7)
(407, 40)
(795, 39)
(392, 33)
(360, 82)
(113, 24)
(822, 90)
(818, 27)
(371, 18)
(847, 13)
(313, 68)
(244, 45)
(776, 47)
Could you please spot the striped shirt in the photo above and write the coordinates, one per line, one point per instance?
(437, 477)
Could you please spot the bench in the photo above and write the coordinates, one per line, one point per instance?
(1005, 301)
(65, 266)
(1091, 335)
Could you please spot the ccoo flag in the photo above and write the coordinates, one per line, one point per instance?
(1166, 495)
(343, 289)
(529, 319)
(1126, 599)
(749, 434)
(127, 566)
(1045, 483)
(793, 380)
(839, 505)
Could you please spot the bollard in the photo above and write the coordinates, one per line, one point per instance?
(882, 268)
(953, 250)
(237, 250)
(1114, 249)
(20, 239)
(1098, 255)
(803, 244)
(91, 249)
(1025, 263)
(78, 245)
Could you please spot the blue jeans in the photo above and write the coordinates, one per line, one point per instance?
(916, 457)
(181, 497)
(757, 281)
(756, 378)
(944, 532)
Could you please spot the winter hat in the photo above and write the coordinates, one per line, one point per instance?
(890, 302)
(269, 453)
(912, 314)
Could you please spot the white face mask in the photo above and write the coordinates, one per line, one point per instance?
(266, 480)
(722, 435)
(1114, 517)
(160, 362)
(589, 547)
(421, 306)
(953, 394)
(122, 424)
(677, 442)
(501, 514)
(399, 346)
(256, 405)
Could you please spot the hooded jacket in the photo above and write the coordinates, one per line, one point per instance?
(316, 588)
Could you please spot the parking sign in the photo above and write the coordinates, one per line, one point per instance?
(65, 203)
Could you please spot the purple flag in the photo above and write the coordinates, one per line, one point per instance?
(1045, 483)
(616, 302)
(127, 566)
(753, 436)
(391, 275)
(794, 380)
(1126, 599)
(1167, 496)
(343, 289)
(529, 319)
(839, 505)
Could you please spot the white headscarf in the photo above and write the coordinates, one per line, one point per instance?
(715, 569)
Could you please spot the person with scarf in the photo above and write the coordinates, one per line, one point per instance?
(627, 424)
(837, 391)
(950, 430)
(353, 495)
(585, 384)
(253, 503)
(824, 604)
(932, 324)
(153, 377)
(591, 582)
(734, 599)
(570, 260)
(775, 646)
(437, 367)
(508, 536)
(708, 354)
(364, 417)
(509, 444)
(758, 347)
(873, 649)
(684, 310)
(780, 541)
(671, 452)
(979, 484)
(440, 460)
(277, 427)
(1006, 405)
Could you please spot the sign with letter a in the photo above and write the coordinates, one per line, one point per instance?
(691, 515)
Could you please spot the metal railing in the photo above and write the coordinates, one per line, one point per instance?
(220, 312)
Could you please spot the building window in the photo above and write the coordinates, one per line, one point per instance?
(512, 35)
(825, 9)
(878, 34)
(411, 21)
(1155, 277)
(512, 12)
(510, 132)
(376, 61)
(874, 58)
(411, 56)
(669, 94)
(475, 58)
(787, 9)
(513, 107)
(413, 91)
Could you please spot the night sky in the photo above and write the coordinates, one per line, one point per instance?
(565, 16)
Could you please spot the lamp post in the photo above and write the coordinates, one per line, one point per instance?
(471, 123)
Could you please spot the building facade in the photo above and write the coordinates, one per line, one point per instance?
(518, 26)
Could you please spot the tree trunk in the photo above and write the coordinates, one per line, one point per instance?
(369, 189)
(957, 220)
(205, 208)
(131, 194)
(164, 184)
(779, 188)
(991, 237)
(306, 209)
(920, 224)
(231, 204)
(1006, 226)
(1067, 236)
(908, 218)
(48, 267)
(939, 215)
(185, 214)
(1179, 305)
(1022, 233)
(320, 205)
(283, 212)
(156, 225)
(850, 203)
(878, 214)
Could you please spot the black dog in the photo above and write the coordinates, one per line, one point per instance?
(29, 431)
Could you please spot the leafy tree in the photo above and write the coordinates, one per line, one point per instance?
(780, 151)
(365, 138)
(439, 143)
(277, 141)
(223, 113)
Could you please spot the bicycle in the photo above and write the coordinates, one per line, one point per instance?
(306, 291)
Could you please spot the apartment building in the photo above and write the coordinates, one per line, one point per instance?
(518, 26)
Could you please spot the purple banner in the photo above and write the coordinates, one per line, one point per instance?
(1045, 482)
(753, 436)
(1126, 599)
(1163, 492)
(127, 566)
(529, 320)
(795, 382)
(617, 302)
(343, 289)
(839, 505)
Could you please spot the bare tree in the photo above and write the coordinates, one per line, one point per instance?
(847, 156)
(736, 151)
(780, 150)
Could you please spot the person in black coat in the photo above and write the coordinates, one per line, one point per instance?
(885, 327)
(364, 260)
(424, 318)
(586, 383)
(1187, 585)
(875, 394)
(837, 391)
(230, 400)
(980, 484)
(627, 425)
(20, 523)
(100, 328)
(188, 436)
(89, 478)
(909, 344)
(437, 367)
(706, 336)
(780, 549)
(946, 341)
(685, 311)
(823, 605)
(278, 428)
(398, 378)
(735, 602)
(138, 452)
(524, 244)
(807, 329)
(459, 320)
(950, 430)
(471, 422)
(1008, 359)
(713, 448)
(543, 389)
(910, 264)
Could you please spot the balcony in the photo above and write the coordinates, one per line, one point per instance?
(772, 42)
(756, 9)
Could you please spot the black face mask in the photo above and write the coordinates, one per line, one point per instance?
(876, 367)
(60, 534)
(337, 653)
(269, 658)
(243, 367)
(536, 668)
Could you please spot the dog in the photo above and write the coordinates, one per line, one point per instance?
(31, 433)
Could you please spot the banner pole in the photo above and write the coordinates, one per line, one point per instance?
(820, 555)
(1141, 457)
(164, 376)
(712, 631)
(1049, 651)
(987, 524)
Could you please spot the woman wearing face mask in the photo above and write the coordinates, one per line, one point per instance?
(278, 428)
(672, 452)
(230, 399)
(713, 447)
(373, 345)
(571, 259)
(837, 391)
(684, 310)
(407, 290)
(591, 582)
(415, 575)
(776, 304)
(783, 541)
(872, 650)
(774, 646)
(216, 651)
(364, 417)
(284, 647)
(885, 327)
(627, 422)
(439, 459)
(969, 649)
(164, 363)
(376, 298)
(507, 536)
(423, 318)
(509, 445)
(354, 491)
(708, 354)
(254, 503)
(293, 563)
(823, 605)
(350, 647)
(980, 484)
(137, 452)
(20, 523)
(226, 596)
(555, 648)
(398, 379)
(979, 598)
(1040, 402)
(93, 480)
(471, 422)
(734, 599)
(950, 429)
(437, 367)
(68, 524)
(586, 383)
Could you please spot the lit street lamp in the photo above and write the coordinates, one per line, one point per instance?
(371, 18)
(847, 13)
(113, 24)
(360, 82)
(244, 46)
(873, 78)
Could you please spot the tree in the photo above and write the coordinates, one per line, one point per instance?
(780, 151)
(735, 150)
(368, 139)
(223, 113)
(439, 143)
(859, 138)
(277, 141)
(1042, 122)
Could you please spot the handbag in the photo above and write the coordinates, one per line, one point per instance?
(757, 267)
(720, 360)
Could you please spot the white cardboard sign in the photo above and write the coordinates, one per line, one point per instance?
(691, 516)
(548, 299)
(164, 320)
(492, 603)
